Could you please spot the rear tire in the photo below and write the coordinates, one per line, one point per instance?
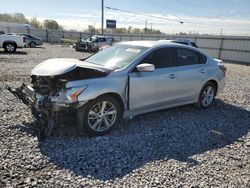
(9, 47)
(206, 96)
(32, 44)
(99, 116)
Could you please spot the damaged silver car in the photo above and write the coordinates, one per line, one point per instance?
(122, 81)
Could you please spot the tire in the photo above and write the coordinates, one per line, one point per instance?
(206, 96)
(92, 119)
(32, 44)
(10, 47)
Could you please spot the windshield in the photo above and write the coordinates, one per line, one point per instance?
(117, 56)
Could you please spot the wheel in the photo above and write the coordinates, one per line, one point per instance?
(32, 44)
(99, 116)
(206, 96)
(10, 47)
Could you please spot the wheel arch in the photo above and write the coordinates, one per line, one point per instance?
(117, 97)
(32, 42)
(215, 83)
(9, 42)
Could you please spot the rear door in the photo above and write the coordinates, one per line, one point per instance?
(153, 90)
(192, 73)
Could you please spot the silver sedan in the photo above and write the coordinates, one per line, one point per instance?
(122, 81)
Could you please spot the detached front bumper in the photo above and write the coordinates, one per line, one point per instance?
(46, 109)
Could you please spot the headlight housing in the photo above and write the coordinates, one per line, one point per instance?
(73, 93)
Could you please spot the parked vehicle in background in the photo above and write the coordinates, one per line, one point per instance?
(94, 43)
(11, 42)
(184, 42)
(122, 81)
(31, 40)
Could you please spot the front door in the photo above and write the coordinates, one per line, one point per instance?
(154, 90)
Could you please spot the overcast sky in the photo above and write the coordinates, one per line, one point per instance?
(203, 16)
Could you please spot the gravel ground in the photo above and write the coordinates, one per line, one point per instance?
(179, 147)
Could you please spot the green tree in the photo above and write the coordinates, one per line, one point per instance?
(136, 30)
(120, 30)
(50, 24)
(91, 29)
(20, 18)
(35, 23)
(129, 30)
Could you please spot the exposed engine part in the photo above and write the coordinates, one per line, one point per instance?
(39, 97)
(50, 85)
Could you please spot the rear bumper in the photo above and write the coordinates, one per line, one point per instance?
(221, 85)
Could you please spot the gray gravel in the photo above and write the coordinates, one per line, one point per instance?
(179, 147)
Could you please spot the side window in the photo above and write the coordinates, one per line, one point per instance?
(194, 45)
(103, 40)
(187, 57)
(184, 43)
(202, 59)
(161, 58)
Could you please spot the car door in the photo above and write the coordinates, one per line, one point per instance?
(149, 91)
(192, 73)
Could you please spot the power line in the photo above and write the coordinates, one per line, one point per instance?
(165, 18)
(131, 12)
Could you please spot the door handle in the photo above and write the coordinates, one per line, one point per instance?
(203, 70)
(172, 76)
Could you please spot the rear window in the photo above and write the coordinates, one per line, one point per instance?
(102, 39)
(194, 45)
(185, 43)
(189, 57)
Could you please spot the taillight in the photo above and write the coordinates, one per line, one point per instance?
(223, 69)
(24, 39)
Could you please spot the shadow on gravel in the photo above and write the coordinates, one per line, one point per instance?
(177, 133)
(15, 53)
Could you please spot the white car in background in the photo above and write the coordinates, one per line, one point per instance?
(94, 43)
(11, 42)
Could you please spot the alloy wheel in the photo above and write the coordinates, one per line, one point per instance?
(10, 47)
(207, 96)
(102, 116)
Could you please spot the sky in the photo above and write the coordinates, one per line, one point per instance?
(229, 17)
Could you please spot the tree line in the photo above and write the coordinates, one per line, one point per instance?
(123, 30)
(52, 24)
(20, 18)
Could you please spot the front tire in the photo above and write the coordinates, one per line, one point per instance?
(99, 116)
(206, 96)
(10, 47)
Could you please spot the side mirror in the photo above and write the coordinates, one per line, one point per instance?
(145, 67)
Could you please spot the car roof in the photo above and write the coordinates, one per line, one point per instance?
(150, 43)
(158, 43)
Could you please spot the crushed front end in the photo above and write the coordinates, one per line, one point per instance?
(48, 96)
(48, 107)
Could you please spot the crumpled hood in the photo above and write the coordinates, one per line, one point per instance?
(54, 67)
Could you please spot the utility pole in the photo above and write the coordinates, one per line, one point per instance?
(146, 24)
(102, 15)
(221, 32)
